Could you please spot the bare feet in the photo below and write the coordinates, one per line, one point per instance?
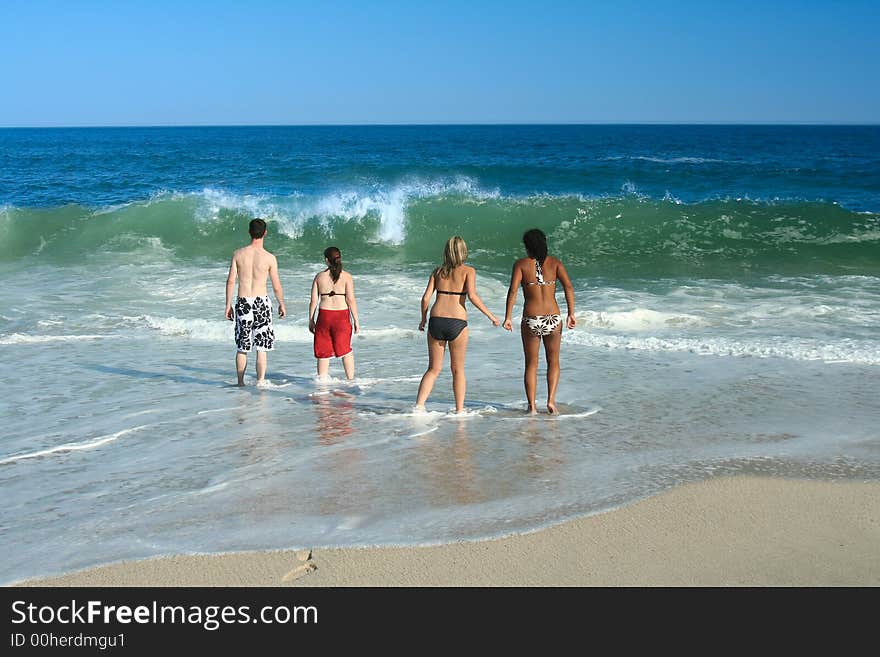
(551, 408)
(531, 410)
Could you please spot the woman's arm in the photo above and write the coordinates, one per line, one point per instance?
(515, 280)
(352, 303)
(426, 301)
(562, 276)
(471, 282)
(313, 304)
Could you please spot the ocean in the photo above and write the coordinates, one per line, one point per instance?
(727, 283)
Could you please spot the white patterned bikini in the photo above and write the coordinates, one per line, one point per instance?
(541, 325)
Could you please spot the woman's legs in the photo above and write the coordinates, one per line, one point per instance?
(436, 350)
(457, 352)
(348, 364)
(531, 348)
(552, 343)
(323, 367)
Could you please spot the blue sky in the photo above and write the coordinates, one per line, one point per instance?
(232, 63)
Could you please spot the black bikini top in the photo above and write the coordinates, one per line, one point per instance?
(439, 291)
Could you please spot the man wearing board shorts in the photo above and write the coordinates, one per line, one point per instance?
(252, 265)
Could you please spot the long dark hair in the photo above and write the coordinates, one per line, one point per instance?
(334, 258)
(536, 244)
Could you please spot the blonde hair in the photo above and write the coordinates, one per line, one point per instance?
(454, 255)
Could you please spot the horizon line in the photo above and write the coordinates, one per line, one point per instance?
(438, 124)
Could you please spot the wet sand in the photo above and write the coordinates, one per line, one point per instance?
(733, 531)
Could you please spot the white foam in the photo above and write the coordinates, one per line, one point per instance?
(421, 432)
(217, 410)
(677, 160)
(138, 413)
(390, 333)
(387, 204)
(216, 330)
(422, 414)
(214, 200)
(684, 159)
(563, 416)
(639, 319)
(371, 381)
(266, 383)
(849, 351)
(468, 413)
(22, 338)
(867, 236)
(428, 415)
(73, 447)
(628, 188)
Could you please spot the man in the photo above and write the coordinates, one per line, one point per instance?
(253, 312)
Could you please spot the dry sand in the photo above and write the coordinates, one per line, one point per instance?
(739, 531)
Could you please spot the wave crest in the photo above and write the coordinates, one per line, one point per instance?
(629, 234)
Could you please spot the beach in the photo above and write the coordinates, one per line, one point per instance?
(730, 531)
(727, 306)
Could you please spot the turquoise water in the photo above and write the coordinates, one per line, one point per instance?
(728, 305)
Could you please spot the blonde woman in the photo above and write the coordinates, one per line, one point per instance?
(454, 282)
(333, 297)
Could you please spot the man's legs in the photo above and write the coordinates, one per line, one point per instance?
(262, 361)
(241, 366)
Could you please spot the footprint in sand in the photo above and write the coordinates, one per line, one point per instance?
(303, 568)
(299, 571)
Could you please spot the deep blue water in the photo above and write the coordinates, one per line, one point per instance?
(103, 166)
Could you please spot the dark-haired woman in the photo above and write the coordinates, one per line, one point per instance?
(541, 322)
(453, 282)
(333, 297)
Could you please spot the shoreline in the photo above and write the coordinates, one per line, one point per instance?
(728, 531)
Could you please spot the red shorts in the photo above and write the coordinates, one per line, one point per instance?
(332, 334)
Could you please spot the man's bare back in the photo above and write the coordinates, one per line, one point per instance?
(253, 265)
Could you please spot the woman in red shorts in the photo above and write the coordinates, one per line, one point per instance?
(333, 297)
